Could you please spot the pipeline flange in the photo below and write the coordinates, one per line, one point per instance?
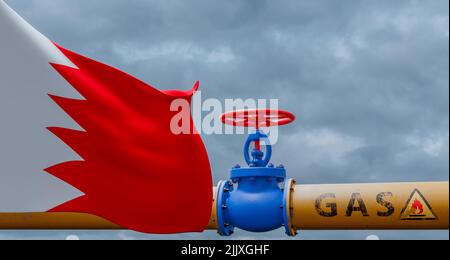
(225, 228)
(288, 191)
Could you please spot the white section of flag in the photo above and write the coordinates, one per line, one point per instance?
(26, 147)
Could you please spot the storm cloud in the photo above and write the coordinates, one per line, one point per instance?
(368, 80)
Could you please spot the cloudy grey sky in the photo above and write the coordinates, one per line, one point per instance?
(368, 80)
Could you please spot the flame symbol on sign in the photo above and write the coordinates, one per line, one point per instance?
(417, 206)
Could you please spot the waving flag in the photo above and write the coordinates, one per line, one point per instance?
(116, 159)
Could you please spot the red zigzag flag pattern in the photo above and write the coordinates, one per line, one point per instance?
(135, 172)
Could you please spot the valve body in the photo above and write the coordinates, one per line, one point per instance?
(254, 198)
(251, 200)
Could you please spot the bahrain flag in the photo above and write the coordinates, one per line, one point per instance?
(80, 136)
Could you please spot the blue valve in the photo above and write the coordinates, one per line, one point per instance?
(255, 198)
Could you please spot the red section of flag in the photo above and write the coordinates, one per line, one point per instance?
(134, 171)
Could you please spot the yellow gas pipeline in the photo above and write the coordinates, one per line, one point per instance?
(371, 206)
(421, 205)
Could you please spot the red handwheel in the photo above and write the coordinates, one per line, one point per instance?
(257, 118)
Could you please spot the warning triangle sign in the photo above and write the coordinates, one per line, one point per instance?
(417, 208)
